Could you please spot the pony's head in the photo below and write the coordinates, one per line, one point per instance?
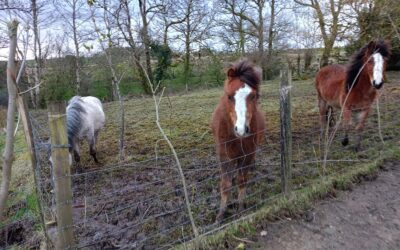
(241, 94)
(371, 59)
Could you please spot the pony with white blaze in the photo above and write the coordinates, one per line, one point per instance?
(85, 119)
(354, 87)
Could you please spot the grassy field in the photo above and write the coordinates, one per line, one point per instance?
(140, 198)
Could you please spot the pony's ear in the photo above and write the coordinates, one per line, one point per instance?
(371, 46)
(231, 72)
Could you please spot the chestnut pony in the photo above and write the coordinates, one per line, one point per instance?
(238, 127)
(352, 88)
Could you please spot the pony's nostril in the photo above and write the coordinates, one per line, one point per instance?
(247, 129)
(236, 128)
(373, 82)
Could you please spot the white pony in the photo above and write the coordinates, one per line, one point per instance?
(85, 118)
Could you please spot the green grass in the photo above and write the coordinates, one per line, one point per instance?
(22, 200)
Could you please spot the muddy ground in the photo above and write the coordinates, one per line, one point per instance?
(368, 217)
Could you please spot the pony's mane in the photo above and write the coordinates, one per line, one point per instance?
(75, 109)
(246, 72)
(357, 61)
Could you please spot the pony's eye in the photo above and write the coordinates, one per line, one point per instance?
(230, 97)
(252, 97)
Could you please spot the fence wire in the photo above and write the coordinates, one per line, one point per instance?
(139, 202)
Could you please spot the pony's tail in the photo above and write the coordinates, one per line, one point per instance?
(74, 121)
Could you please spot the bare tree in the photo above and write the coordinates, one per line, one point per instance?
(73, 14)
(37, 51)
(195, 28)
(256, 21)
(271, 27)
(14, 5)
(115, 79)
(233, 29)
(12, 95)
(123, 18)
(171, 13)
(328, 22)
(145, 10)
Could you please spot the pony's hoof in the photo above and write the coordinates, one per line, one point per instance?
(345, 141)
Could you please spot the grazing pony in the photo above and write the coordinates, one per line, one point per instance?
(238, 127)
(85, 118)
(352, 88)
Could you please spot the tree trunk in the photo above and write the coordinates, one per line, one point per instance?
(146, 38)
(271, 29)
(12, 94)
(187, 56)
(241, 37)
(37, 50)
(114, 80)
(76, 44)
(165, 36)
(261, 38)
(329, 40)
(187, 45)
(126, 30)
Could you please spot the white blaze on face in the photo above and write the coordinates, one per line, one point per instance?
(378, 69)
(241, 109)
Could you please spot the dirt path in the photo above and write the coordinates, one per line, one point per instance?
(366, 218)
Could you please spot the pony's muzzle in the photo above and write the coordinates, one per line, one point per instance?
(242, 132)
(377, 85)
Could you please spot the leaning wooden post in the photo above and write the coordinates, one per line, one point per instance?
(61, 174)
(286, 130)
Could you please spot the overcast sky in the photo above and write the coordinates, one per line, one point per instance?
(55, 32)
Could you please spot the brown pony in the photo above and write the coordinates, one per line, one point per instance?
(352, 88)
(238, 127)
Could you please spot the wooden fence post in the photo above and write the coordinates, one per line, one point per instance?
(286, 129)
(61, 174)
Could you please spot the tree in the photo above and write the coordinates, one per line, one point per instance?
(145, 10)
(256, 21)
(170, 14)
(376, 19)
(123, 17)
(12, 95)
(115, 80)
(37, 51)
(328, 22)
(233, 30)
(73, 14)
(195, 29)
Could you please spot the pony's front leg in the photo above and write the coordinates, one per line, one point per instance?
(360, 127)
(347, 125)
(75, 148)
(245, 165)
(242, 178)
(323, 108)
(92, 146)
(225, 187)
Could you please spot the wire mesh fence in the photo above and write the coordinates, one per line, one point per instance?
(139, 201)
